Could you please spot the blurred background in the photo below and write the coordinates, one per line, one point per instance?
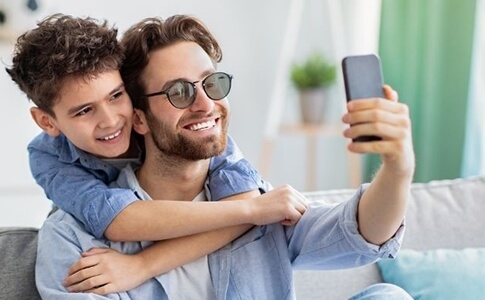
(431, 53)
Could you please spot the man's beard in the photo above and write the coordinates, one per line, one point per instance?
(176, 145)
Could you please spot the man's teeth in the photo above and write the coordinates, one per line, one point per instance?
(203, 125)
(110, 137)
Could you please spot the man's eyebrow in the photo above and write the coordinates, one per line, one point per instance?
(167, 84)
(202, 76)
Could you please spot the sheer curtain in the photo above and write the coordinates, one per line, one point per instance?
(474, 153)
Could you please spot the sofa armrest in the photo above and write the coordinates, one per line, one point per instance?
(18, 248)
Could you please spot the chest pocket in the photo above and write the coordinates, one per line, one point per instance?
(261, 270)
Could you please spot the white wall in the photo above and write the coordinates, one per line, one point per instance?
(251, 34)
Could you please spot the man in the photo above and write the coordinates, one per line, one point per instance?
(182, 112)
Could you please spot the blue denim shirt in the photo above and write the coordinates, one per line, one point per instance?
(257, 265)
(77, 182)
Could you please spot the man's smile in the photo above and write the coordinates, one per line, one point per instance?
(202, 126)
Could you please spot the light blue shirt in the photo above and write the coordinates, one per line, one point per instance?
(258, 265)
(77, 182)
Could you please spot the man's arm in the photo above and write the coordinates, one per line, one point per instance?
(383, 205)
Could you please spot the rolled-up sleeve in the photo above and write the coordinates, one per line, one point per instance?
(231, 174)
(327, 237)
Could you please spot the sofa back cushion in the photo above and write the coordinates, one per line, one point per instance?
(446, 214)
(18, 248)
(441, 214)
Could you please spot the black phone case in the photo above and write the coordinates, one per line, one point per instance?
(363, 79)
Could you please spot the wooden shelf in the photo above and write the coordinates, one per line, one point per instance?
(312, 134)
(311, 130)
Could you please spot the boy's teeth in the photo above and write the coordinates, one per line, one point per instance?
(203, 125)
(110, 137)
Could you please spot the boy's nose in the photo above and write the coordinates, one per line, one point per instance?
(108, 117)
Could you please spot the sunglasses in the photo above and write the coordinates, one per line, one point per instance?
(181, 93)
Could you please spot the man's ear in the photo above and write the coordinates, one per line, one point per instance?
(44, 121)
(140, 124)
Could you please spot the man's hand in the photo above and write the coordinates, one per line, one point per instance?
(103, 271)
(283, 204)
(387, 119)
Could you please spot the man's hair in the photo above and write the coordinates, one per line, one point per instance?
(154, 33)
(62, 47)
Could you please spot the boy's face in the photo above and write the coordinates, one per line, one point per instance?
(95, 114)
(196, 132)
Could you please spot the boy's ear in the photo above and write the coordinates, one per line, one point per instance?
(140, 124)
(44, 121)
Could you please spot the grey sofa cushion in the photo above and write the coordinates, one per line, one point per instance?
(18, 248)
(441, 214)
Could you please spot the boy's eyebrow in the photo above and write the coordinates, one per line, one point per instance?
(77, 108)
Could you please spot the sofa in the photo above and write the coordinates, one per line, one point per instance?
(445, 214)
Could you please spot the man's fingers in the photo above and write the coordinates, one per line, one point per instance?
(390, 94)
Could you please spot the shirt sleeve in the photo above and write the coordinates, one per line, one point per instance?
(230, 174)
(58, 248)
(77, 190)
(327, 237)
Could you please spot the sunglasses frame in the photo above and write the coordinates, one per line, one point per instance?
(166, 91)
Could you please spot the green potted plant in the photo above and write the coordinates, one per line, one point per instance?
(311, 78)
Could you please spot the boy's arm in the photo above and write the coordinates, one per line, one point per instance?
(229, 174)
(110, 267)
(103, 271)
(86, 196)
(115, 212)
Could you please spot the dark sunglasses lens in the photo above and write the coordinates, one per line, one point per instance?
(217, 85)
(181, 94)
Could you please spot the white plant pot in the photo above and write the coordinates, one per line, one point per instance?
(312, 105)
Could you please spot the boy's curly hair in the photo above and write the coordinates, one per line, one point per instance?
(154, 33)
(59, 48)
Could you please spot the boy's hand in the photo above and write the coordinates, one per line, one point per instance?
(387, 119)
(283, 204)
(103, 271)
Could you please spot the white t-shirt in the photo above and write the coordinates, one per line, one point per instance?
(192, 280)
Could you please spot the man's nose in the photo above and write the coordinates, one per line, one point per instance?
(202, 102)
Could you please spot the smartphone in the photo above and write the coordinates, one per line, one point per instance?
(363, 79)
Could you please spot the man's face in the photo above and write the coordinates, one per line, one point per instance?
(198, 131)
(95, 114)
